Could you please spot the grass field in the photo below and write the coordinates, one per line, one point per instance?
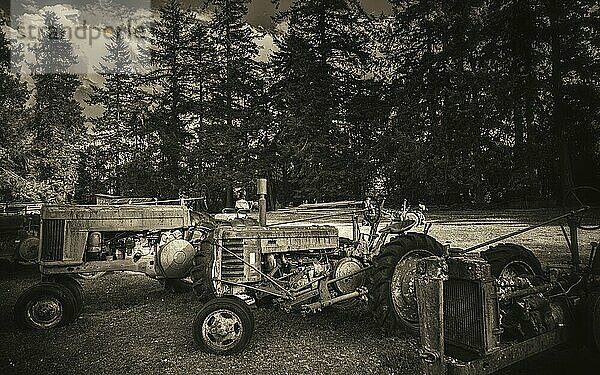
(132, 326)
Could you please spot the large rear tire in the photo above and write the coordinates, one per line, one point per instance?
(202, 271)
(392, 285)
(45, 306)
(511, 259)
(176, 286)
(223, 326)
(590, 328)
(76, 289)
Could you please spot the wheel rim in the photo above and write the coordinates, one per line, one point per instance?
(403, 286)
(516, 268)
(511, 275)
(45, 313)
(222, 330)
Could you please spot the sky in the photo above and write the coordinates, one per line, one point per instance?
(259, 11)
(88, 22)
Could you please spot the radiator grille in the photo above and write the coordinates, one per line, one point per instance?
(53, 239)
(232, 268)
(463, 314)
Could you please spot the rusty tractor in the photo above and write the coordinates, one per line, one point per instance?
(481, 312)
(19, 231)
(232, 267)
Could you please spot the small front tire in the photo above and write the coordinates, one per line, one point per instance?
(223, 326)
(45, 306)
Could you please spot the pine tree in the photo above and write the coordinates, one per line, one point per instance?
(57, 124)
(13, 133)
(318, 71)
(234, 94)
(171, 103)
(116, 142)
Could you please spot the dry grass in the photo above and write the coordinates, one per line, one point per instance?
(131, 326)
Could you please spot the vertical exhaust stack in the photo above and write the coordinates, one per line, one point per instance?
(261, 190)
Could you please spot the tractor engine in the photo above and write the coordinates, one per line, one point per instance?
(156, 240)
(297, 268)
(482, 313)
(277, 261)
(526, 309)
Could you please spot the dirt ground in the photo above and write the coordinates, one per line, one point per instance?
(132, 326)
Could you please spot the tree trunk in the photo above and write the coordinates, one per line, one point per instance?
(559, 128)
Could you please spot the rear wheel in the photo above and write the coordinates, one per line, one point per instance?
(45, 306)
(508, 260)
(514, 268)
(223, 326)
(392, 287)
(596, 323)
(177, 286)
(590, 329)
(202, 271)
(76, 289)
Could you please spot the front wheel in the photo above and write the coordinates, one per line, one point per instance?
(45, 306)
(223, 326)
(392, 287)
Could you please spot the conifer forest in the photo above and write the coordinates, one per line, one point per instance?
(470, 102)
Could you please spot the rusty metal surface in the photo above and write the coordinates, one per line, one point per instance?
(65, 229)
(119, 217)
(431, 274)
(508, 355)
(469, 268)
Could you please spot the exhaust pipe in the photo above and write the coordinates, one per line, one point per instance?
(261, 190)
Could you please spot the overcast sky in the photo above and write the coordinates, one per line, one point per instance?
(259, 11)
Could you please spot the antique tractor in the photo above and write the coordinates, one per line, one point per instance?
(300, 269)
(19, 231)
(233, 267)
(155, 240)
(480, 312)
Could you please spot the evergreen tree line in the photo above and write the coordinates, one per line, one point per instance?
(478, 101)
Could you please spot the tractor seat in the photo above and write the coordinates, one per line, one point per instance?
(399, 227)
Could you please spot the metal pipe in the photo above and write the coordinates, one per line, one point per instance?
(261, 190)
(316, 218)
(311, 282)
(574, 245)
(254, 288)
(526, 292)
(319, 305)
(349, 275)
(524, 230)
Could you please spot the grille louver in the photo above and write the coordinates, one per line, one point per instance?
(53, 238)
(232, 269)
(464, 315)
